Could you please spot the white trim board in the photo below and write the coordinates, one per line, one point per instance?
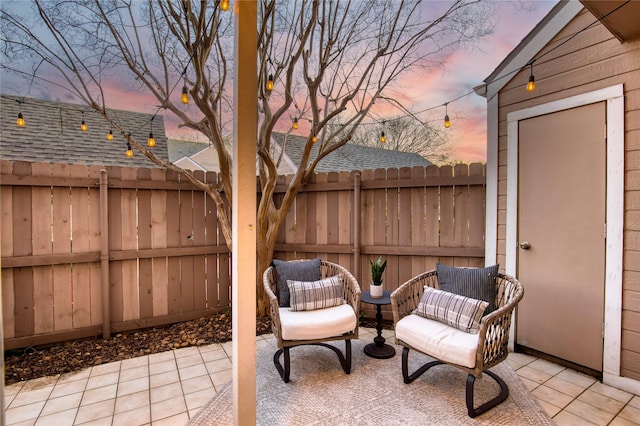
(615, 214)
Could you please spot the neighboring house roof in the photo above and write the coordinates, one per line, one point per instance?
(52, 134)
(350, 156)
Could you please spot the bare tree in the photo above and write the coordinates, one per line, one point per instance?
(329, 62)
(406, 134)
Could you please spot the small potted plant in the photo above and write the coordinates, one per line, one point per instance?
(377, 268)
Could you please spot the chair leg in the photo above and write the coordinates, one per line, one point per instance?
(473, 412)
(408, 378)
(345, 362)
(504, 394)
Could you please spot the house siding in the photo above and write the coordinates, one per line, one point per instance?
(592, 60)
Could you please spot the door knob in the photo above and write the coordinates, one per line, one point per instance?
(525, 245)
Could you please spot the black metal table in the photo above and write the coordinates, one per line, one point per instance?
(379, 349)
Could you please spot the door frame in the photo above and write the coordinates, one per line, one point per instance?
(614, 98)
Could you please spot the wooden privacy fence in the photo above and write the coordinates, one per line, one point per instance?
(165, 260)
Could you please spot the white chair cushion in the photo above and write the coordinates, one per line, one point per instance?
(438, 340)
(317, 324)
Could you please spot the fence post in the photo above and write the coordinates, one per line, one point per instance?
(356, 225)
(104, 254)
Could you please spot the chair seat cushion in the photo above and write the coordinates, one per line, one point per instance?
(317, 324)
(438, 340)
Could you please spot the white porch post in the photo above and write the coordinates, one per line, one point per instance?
(244, 213)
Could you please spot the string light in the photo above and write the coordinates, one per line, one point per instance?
(20, 120)
(270, 83)
(224, 5)
(185, 93)
(531, 85)
(110, 135)
(129, 152)
(295, 123)
(383, 138)
(151, 142)
(83, 125)
(314, 138)
(447, 122)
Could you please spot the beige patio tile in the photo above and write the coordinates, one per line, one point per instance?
(101, 369)
(196, 384)
(163, 366)
(192, 371)
(579, 379)
(611, 392)
(28, 396)
(184, 352)
(620, 421)
(94, 412)
(565, 418)
(533, 374)
(136, 417)
(552, 396)
(518, 360)
(23, 413)
(75, 376)
(601, 401)
(161, 356)
(197, 400)
(189, 360)
(103, 380)
(133, 386)
(563, 386)
(590, 412)
(178, 419)
(58, 418)
(103, 421)
(529, 384)
(134, 373)
(550, 409)
(62, 389)
(62, 403)
(631, 414)
(635, 401)
(103, 393)
(138, 361)
(546, 367)
(221, 378)
(132, 401)
(214, 355)
(162, 379)
(168, 408)
(166, 392)
(219, 365)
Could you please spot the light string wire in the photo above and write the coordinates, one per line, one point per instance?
(407, 112)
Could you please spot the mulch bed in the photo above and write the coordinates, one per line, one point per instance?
(67, 357)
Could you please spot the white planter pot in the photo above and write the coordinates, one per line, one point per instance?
(376, 291)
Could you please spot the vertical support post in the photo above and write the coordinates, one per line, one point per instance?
(356, 226)
(244, 213)
(104, 255)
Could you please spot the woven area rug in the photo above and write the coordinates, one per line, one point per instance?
(320, 393)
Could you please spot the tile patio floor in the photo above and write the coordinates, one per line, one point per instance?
(169, 387)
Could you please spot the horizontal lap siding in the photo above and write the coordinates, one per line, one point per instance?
(592, 60)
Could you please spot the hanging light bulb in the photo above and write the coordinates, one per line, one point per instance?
(83, 125)
(314, 138)
(270, 83)
(224, 5)
(129, 152)
(295, 123)
(447, 122)
(151, 142)
(185, 93)
(531, 85)
(20, 120)
(383, 138)
(110, 135)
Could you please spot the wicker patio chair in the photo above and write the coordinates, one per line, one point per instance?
(293, 329)
(492, 337)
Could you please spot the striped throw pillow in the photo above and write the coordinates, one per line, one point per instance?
(310, 295)
(476, 283)
(454, 310)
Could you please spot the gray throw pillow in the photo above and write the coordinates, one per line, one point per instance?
(295, 270)
(476, 283)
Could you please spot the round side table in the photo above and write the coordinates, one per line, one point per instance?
(378, 349)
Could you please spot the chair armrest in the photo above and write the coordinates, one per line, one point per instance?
(493, 341)
(406, 297)
(269, 281)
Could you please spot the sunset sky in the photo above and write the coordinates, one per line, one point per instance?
(464, 70)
